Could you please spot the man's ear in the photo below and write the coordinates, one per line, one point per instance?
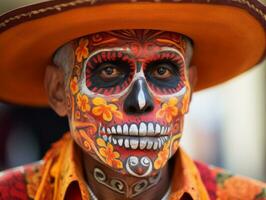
(54, 86)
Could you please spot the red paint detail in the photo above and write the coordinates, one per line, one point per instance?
(99, 59)
(109, 55)
(94, 89)
(94, 60)
(113, 56)
(104, 56)
(88, 83)
(119, 54)
(89, 65)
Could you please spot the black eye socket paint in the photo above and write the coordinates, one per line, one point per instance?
(119, 61)
(175, 66)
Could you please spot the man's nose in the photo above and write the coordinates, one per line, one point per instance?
(139, 100)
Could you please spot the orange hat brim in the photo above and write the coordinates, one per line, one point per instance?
(227, 41)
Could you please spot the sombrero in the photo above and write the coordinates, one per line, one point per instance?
(229, 36)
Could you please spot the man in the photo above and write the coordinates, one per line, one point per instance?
(125, 93)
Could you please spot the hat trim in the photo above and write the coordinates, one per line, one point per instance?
(18, 16)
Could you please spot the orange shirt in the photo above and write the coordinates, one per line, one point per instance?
(59, 176)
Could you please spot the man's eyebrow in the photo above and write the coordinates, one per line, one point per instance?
(170, 42)
(173, 50)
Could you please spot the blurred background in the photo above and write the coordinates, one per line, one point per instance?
(226, 125)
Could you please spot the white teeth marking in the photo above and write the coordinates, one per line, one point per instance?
(113, 130)
(159, 143)
(155, 145)
(119, 129)
(114, 141)
(157, 129)
(110, 139)
(105, 138)
(165, 138)
(150, 129)
(149, 146)
(142, 129)
(120, 142)
(125, 129)
(166, 131)
(162, 131)
(133, 130)
(126, 143)
(134, 143)
(142, 144)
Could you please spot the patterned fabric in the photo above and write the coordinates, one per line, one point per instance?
(59, 176)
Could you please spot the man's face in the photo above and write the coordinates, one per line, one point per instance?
(127, 96)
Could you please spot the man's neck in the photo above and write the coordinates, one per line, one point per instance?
(105, 183)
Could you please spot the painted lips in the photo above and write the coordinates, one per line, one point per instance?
(150, 136)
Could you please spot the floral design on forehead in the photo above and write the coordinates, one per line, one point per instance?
(128, 93)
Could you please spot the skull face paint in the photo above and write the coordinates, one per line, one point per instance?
(127, 94)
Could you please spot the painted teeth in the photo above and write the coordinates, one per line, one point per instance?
(105, 138)
(113, 130)
(151, 128)
(133, 130)
(127, 143)
(142, 144)
(114, 141)
(143, 129)
(119, 129)
(110, 139)
(157, 129)
(151, 136)
(125, 129)
(149, 143)
(134, 143)
(120, 142)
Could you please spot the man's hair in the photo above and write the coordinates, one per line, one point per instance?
(64, 57)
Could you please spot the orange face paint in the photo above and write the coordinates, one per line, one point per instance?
(128, 93)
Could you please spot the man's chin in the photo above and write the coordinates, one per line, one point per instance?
(137, 163)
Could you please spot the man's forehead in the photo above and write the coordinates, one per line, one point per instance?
(135, 40)
(141, 55)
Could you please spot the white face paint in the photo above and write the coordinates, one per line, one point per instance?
(138, 75)
(141, 97)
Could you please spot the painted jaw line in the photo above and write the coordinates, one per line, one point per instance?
(126, 103)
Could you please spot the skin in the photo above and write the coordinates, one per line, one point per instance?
(137, 81)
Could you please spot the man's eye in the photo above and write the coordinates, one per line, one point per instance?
(109, 72)
(162, 71)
